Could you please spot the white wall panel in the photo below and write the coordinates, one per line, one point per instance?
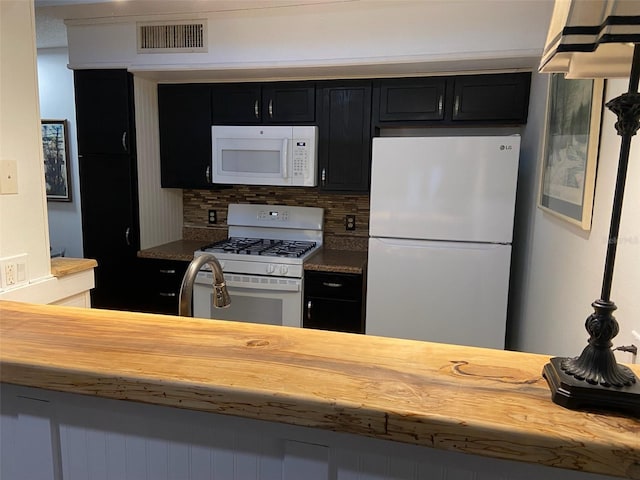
(118, 440)
(160, 208)
(424, 36)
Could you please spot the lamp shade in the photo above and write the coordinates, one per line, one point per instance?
(592, 38)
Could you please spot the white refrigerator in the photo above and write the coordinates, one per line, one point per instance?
(440, 231)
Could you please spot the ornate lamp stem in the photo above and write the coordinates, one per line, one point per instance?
(597, 364)
(612, 385)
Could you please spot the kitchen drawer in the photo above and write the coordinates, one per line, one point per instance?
(347, 286)
(333, 314)
(161, 281)
(333, 301)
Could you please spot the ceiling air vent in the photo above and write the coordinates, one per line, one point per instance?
(180, 37)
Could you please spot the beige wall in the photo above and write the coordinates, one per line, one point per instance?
(560, 266)
(23, 216)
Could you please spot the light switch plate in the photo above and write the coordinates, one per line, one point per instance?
(8, 177)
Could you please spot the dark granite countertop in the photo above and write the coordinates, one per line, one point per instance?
(326, 260)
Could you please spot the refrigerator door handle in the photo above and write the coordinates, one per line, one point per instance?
(411, 243)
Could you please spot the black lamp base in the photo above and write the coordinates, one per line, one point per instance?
(575, 394)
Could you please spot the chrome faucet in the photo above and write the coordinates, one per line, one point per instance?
(221, 296)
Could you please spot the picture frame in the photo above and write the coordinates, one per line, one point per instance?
(57, 171)
(570, 152)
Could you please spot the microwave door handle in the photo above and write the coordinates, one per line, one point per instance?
(283, 158)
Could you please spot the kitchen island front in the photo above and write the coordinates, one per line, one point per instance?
(314, 401)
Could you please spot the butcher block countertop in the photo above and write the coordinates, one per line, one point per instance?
(471, 400)
(63, 266)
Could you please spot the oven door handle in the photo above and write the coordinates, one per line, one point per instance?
(280, 287)
(205, 278)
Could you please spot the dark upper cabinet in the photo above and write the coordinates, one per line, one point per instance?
(104, 112)
(411, 99)
(236, 104)
(255, 103)
(344, 150)
(491, 99)
(502, 98)
(289, 103)
(184, 112)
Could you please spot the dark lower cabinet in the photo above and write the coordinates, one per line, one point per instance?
(334, 301)
(110, 232)
(161, 280)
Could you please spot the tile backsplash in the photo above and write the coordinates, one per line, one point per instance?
(197, 203)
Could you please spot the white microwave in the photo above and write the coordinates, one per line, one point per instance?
(264, 155)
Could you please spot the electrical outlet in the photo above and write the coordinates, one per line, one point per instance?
(213, 218)
(10, 274)
(350, 222)
(13, 271)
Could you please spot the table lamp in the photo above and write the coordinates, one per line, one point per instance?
(599, 39)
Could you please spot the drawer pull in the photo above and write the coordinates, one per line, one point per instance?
(167, 294)
(332, 284)
(168, 271)
(309, 310)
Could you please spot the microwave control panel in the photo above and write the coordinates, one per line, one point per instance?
(301, 149)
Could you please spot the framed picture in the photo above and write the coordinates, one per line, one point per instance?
(55, 146)
(570, 152)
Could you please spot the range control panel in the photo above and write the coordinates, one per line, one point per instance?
(273, 215)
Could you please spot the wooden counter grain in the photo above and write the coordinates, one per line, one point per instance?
(63, 266)
(470, 400)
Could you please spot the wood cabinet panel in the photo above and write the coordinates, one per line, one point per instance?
(256, 103)
(412, 99)
(104, 112)
(161, 281)
(485, 98)
(108, 183)
(344, 154)
(185, 135)
(333, 301)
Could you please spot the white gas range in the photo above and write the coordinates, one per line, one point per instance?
(262, 261)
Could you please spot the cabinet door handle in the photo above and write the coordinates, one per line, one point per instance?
(124, 141)
(440, 105)
(167, 294)
(207, 174)
(271, 108)
(309, 310)
(332, 284)
(127, 235)
(323, 176)
(255, 110)
(168, 271)
(456, 106)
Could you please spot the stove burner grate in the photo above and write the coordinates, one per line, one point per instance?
(258, 246)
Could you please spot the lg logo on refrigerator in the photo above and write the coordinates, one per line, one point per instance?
(506, 147)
